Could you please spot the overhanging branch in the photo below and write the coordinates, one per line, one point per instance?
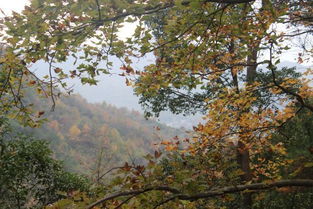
(213, 193)
(162, 6)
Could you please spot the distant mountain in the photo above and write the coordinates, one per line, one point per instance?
(113, 90)
(81, 133)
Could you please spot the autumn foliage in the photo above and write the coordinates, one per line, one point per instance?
(220, 58)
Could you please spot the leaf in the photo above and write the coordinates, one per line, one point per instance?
(128, 83)
(33, 82)
(308, 165)
(157, 154)
(40, 113)
(57, 70)
(126, 167)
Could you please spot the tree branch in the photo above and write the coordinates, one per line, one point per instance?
(162, 6)
(133, 193)
(99, 10)
(251, 187)
(213, 193)
(298, 97)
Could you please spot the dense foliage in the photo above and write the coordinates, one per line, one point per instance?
(218, 57)
(182, 175)
(29, 176)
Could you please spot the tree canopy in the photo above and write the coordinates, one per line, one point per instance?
(220, 57)
(29, 176)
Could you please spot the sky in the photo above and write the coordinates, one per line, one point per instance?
(16, 5)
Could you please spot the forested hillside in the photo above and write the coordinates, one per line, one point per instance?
(81, 133)
(217, 58)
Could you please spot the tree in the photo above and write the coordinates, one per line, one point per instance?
(29, 176)
(208, 53)
(74, 131)
(297, 138)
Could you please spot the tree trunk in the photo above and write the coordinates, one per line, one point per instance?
(243, 155)
(243, 159)
(251, 62)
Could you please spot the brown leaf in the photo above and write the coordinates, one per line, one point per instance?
(157, 154)
(57, 70)
(127, 82)
(32, 82)
(40, 113)
(126, 167)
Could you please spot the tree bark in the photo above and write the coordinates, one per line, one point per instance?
(243, 159)
(243, 155)
(251, 62)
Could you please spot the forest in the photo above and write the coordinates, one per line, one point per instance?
(223, 59)
(82, 133)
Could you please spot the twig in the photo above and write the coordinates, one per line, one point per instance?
(51, 83)
(125, 201)
(99, 10)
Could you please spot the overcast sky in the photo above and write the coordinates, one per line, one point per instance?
(16, 5)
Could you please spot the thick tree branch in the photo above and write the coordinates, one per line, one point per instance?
(162, 6)
(251, 187)
(213, 193)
